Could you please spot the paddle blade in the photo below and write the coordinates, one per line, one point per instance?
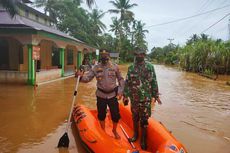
(64, 141)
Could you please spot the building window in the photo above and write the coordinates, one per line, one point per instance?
(69, 57)
(27, 13)
(4, 58)
(37, 18)
(20, 55)
(55, 56)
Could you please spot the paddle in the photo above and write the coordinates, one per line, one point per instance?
(64, 140)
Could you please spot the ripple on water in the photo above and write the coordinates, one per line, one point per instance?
(200, 127)
(5, 145)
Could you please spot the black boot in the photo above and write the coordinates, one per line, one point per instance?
(135, 135)
(143, 138)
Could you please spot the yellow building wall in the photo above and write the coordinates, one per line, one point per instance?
(45, 54)
(33, 17)
(72, 66)
(24, 66)
(14, 48)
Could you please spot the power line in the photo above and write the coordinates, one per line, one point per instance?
(203, 6)
(193, 25)
(215, 23)
(181, 19)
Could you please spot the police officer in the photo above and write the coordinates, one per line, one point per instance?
(142, 89)
(108, 91)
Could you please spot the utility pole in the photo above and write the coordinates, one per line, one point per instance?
(229, 29)
(170, 40)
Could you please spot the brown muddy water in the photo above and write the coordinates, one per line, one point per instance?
(195, 109)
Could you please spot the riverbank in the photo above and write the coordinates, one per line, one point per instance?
(209, 76)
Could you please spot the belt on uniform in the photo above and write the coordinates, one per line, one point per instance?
(108, 92)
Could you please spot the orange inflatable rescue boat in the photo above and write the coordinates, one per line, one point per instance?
(159, 139)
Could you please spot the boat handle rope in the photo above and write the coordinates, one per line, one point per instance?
(83, 131)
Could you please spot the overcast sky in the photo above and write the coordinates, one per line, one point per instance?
(153, 12)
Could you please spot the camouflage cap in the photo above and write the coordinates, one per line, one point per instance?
(139, 50)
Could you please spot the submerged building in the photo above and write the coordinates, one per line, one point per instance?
(32, 50)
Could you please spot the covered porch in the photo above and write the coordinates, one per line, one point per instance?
(33, 53)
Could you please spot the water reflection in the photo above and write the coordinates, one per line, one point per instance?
(195, 108)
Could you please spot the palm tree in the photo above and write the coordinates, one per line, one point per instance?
(90, 3)
(115, 27)
(139, 35)
(122, 7)
(96, 17)
(96, 27)
(204, 37)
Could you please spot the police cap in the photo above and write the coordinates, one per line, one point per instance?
(103, 51)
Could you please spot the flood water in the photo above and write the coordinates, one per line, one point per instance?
(195, 109)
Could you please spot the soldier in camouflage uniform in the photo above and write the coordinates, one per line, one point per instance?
(142, 89)
(108, 92)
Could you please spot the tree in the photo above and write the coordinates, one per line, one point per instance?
(108, 42)
(204, 37)
(11, 6)
(74, 20)
(90, 3)
(49, 6)
(139, 35)
(193, 39)
(115, 27)
(40, 3)
(96, 27)
(123, 7)
(95, 18)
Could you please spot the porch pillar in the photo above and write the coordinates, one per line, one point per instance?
(62, 61)
(97, 54)
(90, 57)
(31, 66)
(79, 58)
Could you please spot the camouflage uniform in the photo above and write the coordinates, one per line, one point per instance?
(141, 86)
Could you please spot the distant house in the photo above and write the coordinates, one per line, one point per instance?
(114, 57)
(32, 50)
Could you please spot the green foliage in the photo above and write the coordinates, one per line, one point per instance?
(208, 72)
(10, 6)
(129, 32)
(200, 54)
(167, 54)
(74, 20)
(71, 18)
